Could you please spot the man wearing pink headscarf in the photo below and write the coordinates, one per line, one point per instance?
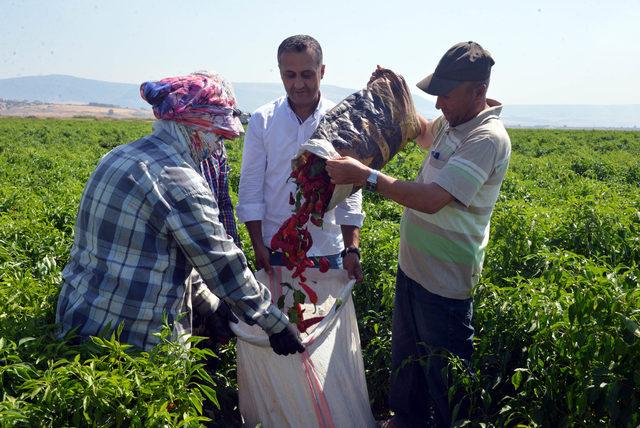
(149, 241)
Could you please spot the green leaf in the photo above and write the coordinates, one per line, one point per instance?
(632, 326)
(210, 393)
(195, 403)
(516, 378)
(613, 402)
(293, 315)
(25, 340)
(299, 297)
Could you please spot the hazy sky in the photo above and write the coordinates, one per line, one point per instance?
(546, 51)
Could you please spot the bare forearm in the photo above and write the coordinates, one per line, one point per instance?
(427, 198)
(425, 139)
(350, 236)
(254, 228)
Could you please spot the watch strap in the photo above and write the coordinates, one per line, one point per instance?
(350, 249)
(372, 181)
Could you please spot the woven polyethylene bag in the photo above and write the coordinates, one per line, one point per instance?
(371, 125)
(323, 387)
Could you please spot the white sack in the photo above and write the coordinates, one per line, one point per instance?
(325, 386)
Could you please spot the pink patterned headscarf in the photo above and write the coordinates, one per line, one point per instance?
(202, 101)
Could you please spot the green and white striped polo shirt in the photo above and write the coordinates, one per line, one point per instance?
(444, 251)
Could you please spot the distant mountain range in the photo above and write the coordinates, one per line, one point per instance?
(61, 89)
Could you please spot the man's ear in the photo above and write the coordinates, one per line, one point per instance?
(321, 71)
(481, 90)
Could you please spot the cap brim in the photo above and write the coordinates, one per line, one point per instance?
(434, 85)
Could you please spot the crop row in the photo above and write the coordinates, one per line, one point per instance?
(557, 312)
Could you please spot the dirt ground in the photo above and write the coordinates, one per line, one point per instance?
(61, 111)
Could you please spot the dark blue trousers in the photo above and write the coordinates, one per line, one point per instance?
(424, 326)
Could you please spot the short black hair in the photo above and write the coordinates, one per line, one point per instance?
(300, 43)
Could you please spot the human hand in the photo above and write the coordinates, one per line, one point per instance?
(286, 341)
(262, 258)
(347, 170)
(376, 73)
(351, 263)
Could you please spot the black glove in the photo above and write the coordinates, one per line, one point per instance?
(286, 342)
(217, 324)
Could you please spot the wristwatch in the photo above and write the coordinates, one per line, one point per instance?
(372, 181)
(350, 249)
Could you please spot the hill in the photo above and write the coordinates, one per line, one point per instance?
(64, 111)
(60, 89)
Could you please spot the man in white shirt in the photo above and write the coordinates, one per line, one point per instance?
(274, 135)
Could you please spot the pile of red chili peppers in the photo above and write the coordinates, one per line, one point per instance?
(313, 193)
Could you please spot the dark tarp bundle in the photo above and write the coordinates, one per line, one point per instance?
(371, 125)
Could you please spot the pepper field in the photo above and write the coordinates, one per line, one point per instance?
(557, 312)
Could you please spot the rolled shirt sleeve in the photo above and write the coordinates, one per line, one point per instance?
(349, 212)
(251, 205)
(194, 224)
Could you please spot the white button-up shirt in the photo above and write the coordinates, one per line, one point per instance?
(273, 138)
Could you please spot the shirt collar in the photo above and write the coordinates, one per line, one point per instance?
(177, 143)
(316, 113)
(493, 112)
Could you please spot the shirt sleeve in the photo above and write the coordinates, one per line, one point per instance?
(349, 212)
(469, 168)
(251, 205)
(193, 222)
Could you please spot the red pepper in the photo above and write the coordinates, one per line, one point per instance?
(289, 265)
(314, 190)
(301, 327)
(324, 264)
(300, 323)
(305, 324)
(298, 271)
(313, 297)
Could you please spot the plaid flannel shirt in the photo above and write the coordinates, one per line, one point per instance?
(216, 170)
(146, 219)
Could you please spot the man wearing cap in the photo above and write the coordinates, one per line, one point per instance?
(443, 232)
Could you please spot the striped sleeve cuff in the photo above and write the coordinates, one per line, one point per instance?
(273, 321)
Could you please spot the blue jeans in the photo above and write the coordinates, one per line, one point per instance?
(424, 326)
(276, 259)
